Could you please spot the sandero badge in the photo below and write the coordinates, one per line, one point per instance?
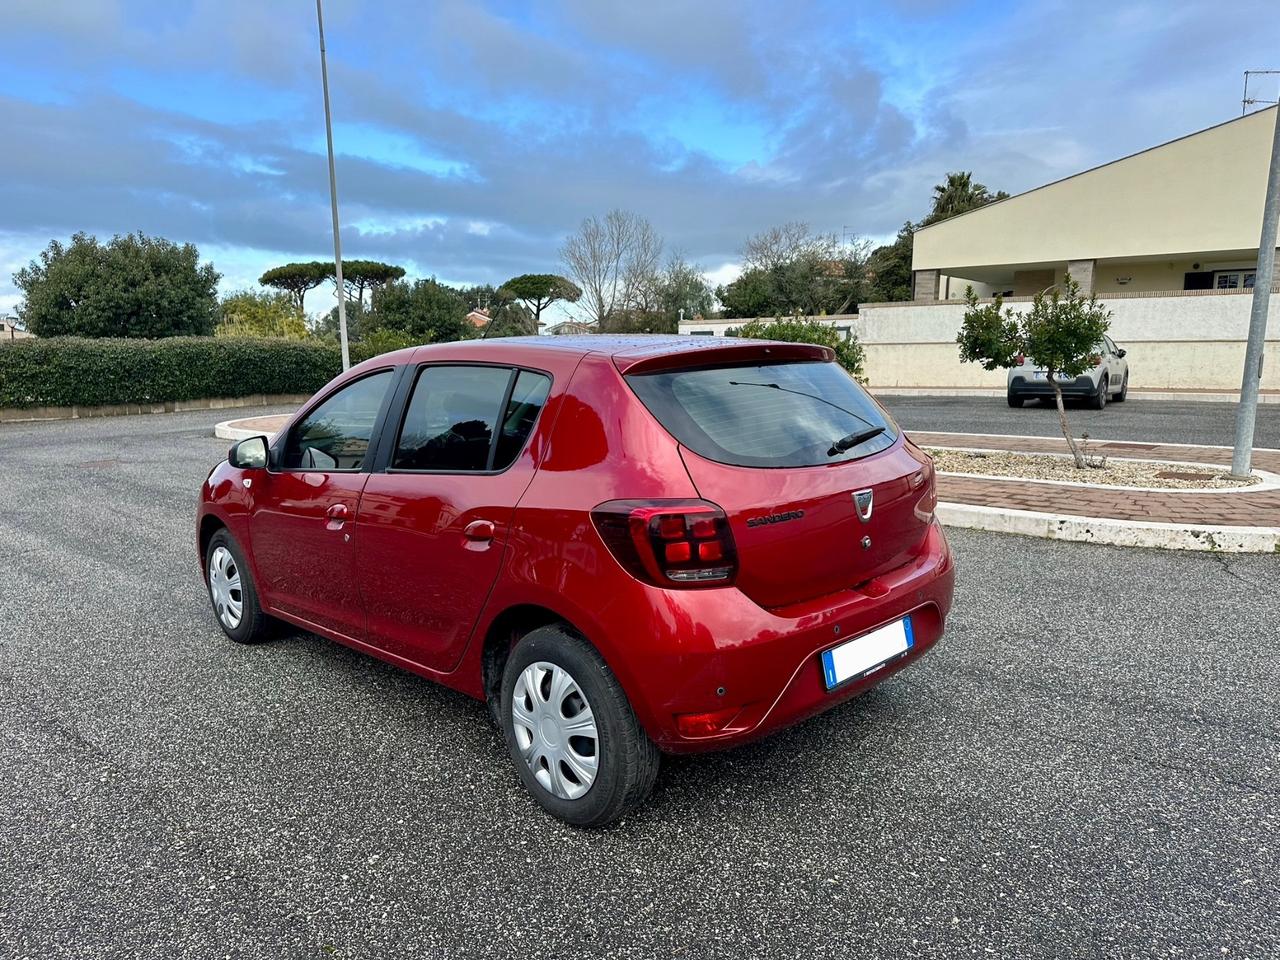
(775, 518)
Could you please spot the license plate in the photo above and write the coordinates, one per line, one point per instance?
(1042, 375)
(866, 654)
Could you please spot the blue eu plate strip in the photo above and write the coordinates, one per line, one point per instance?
(911, 636)
(829, 668)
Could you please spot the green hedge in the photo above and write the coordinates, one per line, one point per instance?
(72, 371)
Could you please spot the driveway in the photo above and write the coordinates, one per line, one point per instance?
(1086, 766)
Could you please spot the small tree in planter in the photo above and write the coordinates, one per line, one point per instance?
(1061, 333)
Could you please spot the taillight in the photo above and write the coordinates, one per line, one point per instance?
(928, 489)
(1022, 358)
(1095, 359)
(669, 543)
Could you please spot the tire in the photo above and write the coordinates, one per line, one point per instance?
(1124, 389)
(224, 564)
(1015, 400)
(626, 761)
(1099, 400)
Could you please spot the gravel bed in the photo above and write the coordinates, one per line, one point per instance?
(1115, 472)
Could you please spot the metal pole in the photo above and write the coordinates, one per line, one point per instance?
(333, 199)
(1247, 411)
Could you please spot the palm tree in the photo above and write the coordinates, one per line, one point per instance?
(959, 194)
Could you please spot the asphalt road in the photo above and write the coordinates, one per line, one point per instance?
(1164, 421)
(1086, 766)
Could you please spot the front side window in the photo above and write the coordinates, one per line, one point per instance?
(469, 419)
(335, 435)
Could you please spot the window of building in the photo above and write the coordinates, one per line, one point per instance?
(1234, 279)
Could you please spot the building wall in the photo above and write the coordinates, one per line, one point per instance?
(1189, 341)
(1202, 192)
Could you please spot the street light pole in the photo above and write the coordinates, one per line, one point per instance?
(333, 198)
(1247, 411)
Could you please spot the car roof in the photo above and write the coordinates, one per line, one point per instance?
(627, 351)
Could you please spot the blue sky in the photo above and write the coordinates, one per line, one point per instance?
(474, 136)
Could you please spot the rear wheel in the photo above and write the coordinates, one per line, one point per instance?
(232, 591)
(1015, 400)
(572, 735)
(1099, 400)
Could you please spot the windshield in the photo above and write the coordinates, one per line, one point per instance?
(767, 415)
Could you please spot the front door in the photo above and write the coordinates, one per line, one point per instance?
(304, 509)
(433, 528)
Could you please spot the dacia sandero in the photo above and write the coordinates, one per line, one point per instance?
(627, 546)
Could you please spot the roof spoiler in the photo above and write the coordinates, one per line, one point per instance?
(744, 351)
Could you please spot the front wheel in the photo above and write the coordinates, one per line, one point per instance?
(572, 735)
(232, 591)
(1124, 389)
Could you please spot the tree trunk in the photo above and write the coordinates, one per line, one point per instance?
(1062, 419)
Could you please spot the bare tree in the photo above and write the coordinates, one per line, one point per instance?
(615, 262)
(779, 246)
(792, 271)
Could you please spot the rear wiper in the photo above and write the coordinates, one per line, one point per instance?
(801, 393)
(852, 440)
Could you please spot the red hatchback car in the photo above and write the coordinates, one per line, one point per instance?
(625, 545)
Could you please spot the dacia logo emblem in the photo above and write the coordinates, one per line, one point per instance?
(862, 500)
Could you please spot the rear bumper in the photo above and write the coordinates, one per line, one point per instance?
(1082, 386)
(761, 670)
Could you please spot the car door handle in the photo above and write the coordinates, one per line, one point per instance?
(337, 514)
(479, 531)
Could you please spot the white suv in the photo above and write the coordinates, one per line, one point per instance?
(1108, 380)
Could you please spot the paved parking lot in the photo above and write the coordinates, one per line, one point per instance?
(1087, 766)
(1162, 421)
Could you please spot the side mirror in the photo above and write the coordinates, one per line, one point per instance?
(1121, 351)
(248, 454)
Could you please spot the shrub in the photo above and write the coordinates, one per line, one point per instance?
(131, 286)
(70, 371)
(799, 330)
(1062, 333)
(426, 310)
(252, 313)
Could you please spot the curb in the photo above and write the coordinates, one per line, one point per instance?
(44, 414)
(226, 430)
(1119, 533)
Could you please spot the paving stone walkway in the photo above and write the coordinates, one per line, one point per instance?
(1237, 508)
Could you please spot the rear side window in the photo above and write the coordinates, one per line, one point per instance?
(469, 419)
(766, 415)
(527, 399)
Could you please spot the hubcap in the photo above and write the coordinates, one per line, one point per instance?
(555, 730)
(224, 587)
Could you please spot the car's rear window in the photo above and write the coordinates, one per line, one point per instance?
(766, 415)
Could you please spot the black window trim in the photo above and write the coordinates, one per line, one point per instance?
(281, 446)
(410, 380)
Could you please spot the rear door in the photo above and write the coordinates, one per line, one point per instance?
(763, 441)
(433, 525)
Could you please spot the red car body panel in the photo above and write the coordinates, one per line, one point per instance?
(416, 591)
